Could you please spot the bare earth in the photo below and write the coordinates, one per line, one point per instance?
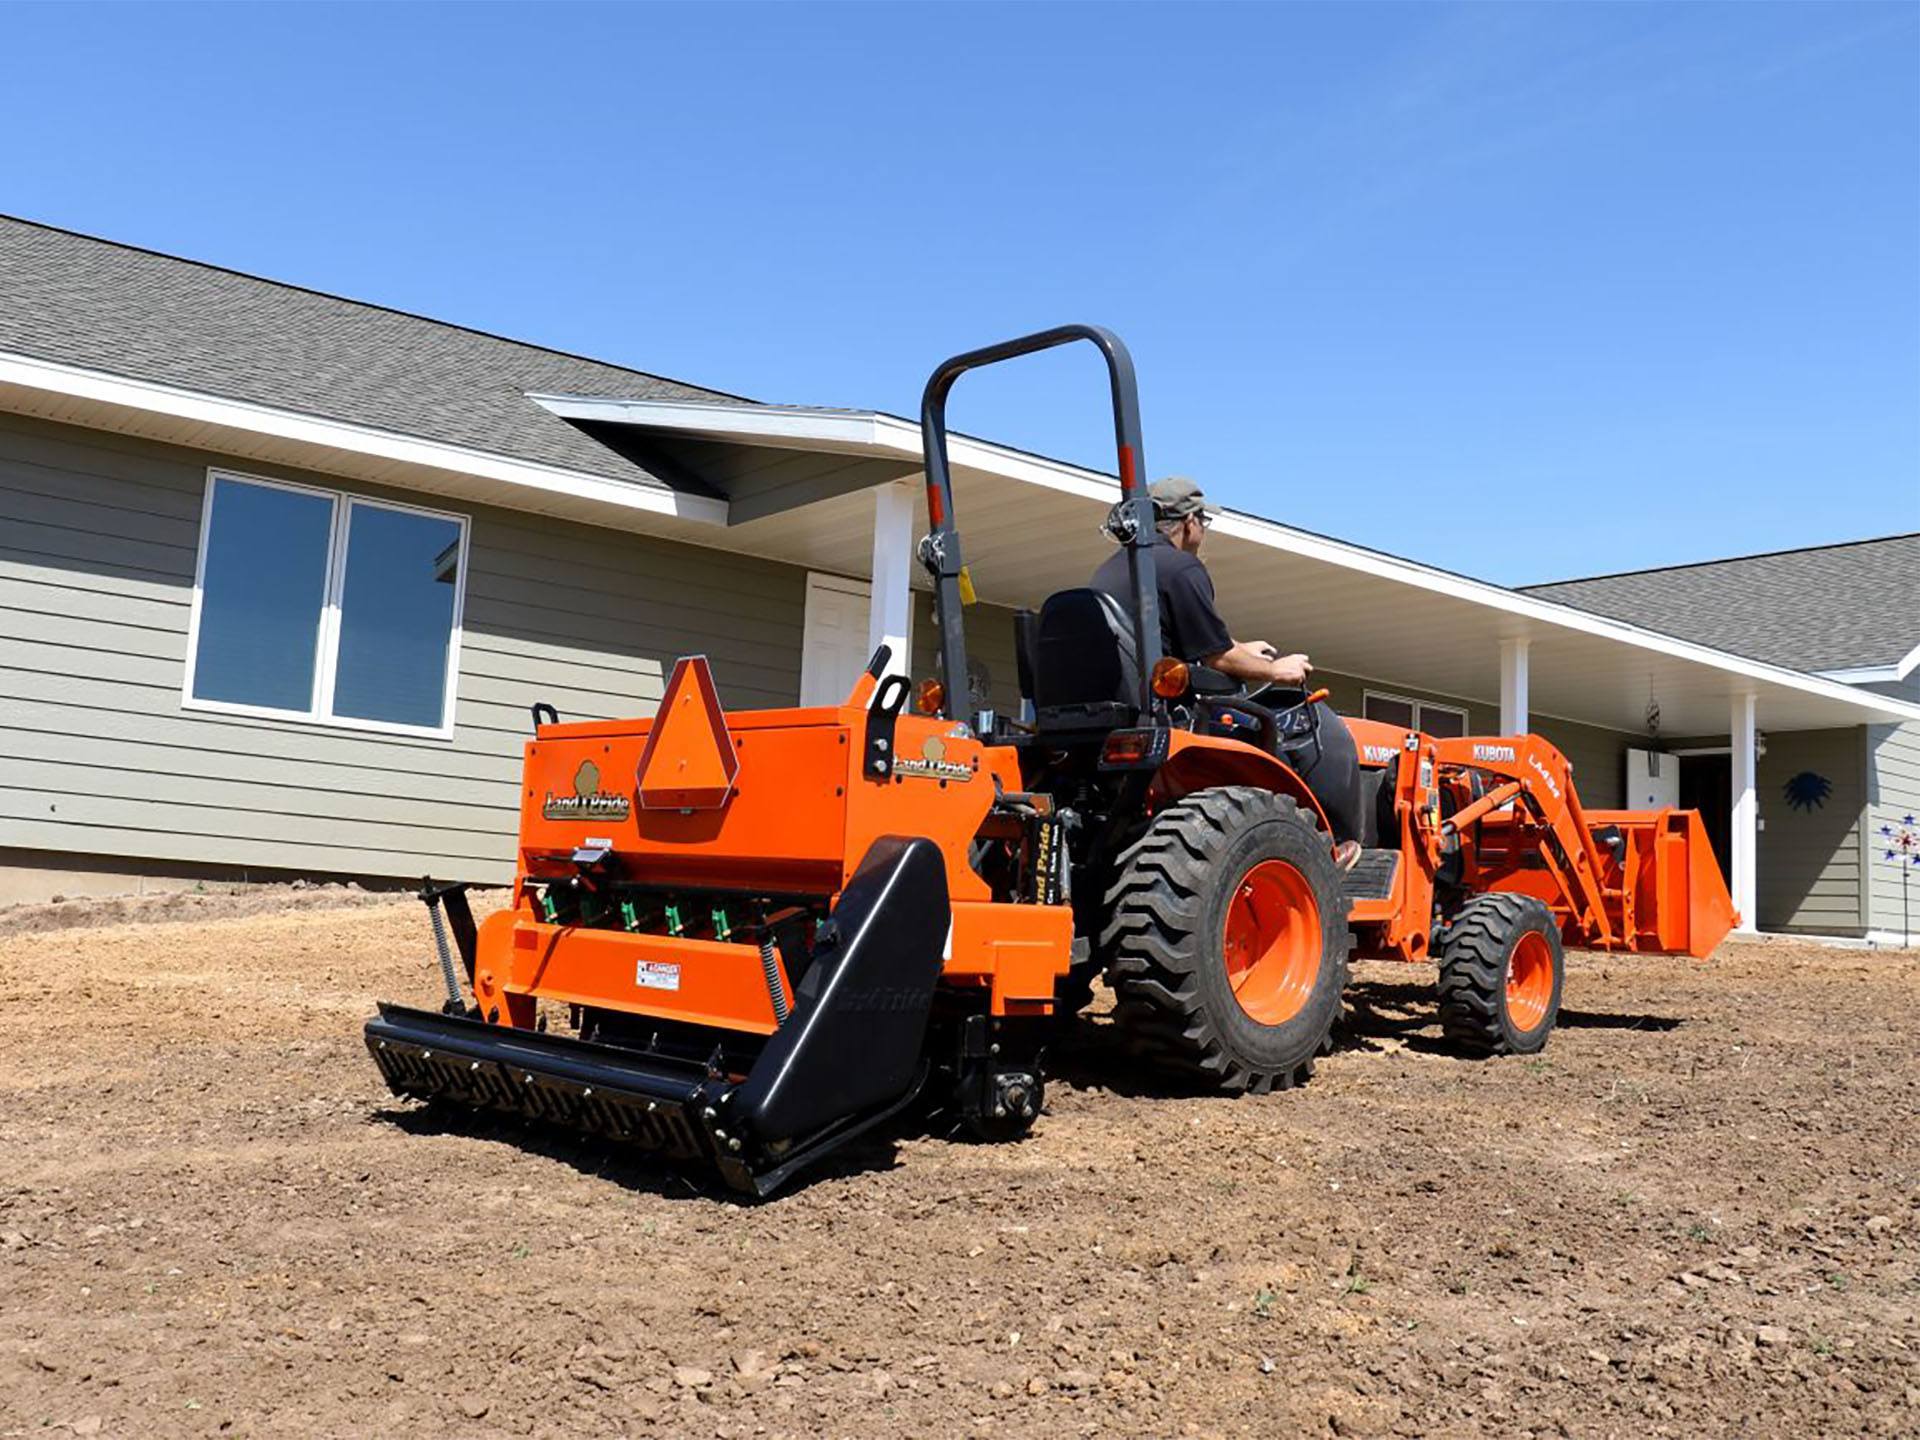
(1697, 1214)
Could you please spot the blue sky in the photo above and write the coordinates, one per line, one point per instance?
(1523, 290)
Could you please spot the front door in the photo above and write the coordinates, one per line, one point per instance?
(833, 647)
(1706, 785)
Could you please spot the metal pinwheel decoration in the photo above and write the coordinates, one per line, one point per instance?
(1903, 849)
(1903, 841)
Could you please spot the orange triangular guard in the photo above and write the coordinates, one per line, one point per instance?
(689, 762)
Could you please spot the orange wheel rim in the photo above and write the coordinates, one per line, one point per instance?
(1271, 942)
(1529, 981)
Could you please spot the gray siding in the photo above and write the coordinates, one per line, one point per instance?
(1809, 860)
(989, 645)
(98, 536)
(1893, 759)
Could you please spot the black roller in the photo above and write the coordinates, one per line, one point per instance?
(850, 1054)
(647, 1100)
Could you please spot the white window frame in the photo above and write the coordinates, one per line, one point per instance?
(1419, 708)
(327, 640)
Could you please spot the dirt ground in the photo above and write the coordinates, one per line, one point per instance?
(1696, 1214)
(203, 902)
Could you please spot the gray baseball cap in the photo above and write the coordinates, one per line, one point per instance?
(1176, 497)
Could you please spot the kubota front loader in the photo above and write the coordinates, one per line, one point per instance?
(768, 931)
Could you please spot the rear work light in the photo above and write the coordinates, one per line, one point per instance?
(1134, 750)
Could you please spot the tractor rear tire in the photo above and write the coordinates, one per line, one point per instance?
(1501, 972)
(1226, 941)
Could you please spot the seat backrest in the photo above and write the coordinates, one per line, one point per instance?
(1086, 666)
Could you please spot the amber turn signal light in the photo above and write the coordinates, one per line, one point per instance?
(1170, 678)
(929, 696)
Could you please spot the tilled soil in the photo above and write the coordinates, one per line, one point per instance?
(1695, 1214)
(202, 903)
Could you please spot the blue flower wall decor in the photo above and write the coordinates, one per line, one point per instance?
(1808, 791)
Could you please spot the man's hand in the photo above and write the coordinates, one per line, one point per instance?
(1291, 670)
(1258, 663)
(1281, 669)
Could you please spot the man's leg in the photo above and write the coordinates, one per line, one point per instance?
(1332, 772)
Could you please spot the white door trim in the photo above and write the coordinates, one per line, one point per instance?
(843, 585)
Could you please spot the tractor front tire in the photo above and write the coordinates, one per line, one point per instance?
(1501, 972)
(1226, 940)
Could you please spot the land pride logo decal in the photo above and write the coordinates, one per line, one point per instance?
(588, 801)
(932, 762)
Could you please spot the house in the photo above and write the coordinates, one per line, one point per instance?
(281, 575)
(1849, 613)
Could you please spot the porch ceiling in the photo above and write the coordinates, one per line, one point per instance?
(1030, 526)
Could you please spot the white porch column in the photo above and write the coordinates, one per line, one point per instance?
(889, 605)
(1743, 865)
(1513, 686)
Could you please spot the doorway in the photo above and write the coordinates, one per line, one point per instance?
(833, 642)
(1706, 785)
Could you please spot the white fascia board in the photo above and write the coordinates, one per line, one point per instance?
(1875, 674)
(874, 432)
(1547, 612)
(855, 432)
(196, 406)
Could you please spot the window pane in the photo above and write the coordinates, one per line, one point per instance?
(396, 616)
(262, 590)
(1389, 712)
(1442, 723)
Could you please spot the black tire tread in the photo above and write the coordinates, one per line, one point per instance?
(1472, 951)
(1155, 905)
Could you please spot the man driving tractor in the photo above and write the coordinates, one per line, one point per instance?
(1191, 629)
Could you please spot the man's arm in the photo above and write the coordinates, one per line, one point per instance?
(1197, 622)
(1256, 662)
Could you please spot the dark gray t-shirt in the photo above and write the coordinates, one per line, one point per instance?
(1190, 626)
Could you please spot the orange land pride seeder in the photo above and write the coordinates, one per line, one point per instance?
(775, 929)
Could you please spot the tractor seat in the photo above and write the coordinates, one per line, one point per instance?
(1083, 665)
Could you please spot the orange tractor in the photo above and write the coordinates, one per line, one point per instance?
(773, 930)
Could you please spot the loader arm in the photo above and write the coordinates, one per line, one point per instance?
(1539, 778)
(1643, 880)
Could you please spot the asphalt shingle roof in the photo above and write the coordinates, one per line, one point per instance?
(1832, 607)
(139, 315)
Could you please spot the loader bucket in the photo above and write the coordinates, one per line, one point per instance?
(1678, 898)
(850, 1054)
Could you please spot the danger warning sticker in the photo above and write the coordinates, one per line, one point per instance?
(656, 975)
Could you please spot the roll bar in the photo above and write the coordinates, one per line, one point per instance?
(1133, 517)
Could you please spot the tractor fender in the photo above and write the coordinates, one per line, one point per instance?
(1204, 762)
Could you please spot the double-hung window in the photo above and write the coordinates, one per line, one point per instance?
(316, 605)
(1443, 722)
